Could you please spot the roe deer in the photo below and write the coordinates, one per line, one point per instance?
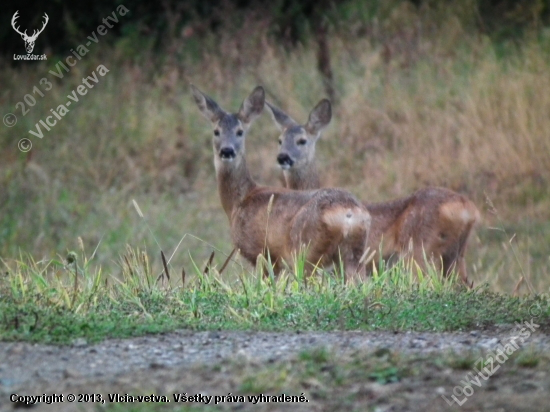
(332, 223)
(437, 221)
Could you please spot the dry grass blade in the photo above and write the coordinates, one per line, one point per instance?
(518, 285)
(165, 265)
(71, 258)
(227, 260)
(75, 290)
(269, 207)
(208, 264)
(138, 209)
(130, 270)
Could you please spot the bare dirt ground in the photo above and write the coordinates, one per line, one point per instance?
(217, 363)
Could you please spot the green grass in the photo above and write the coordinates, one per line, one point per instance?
(51, 302)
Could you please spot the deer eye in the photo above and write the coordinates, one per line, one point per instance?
(280, 141)
(301, 142)
(216, 132)
(240, 132)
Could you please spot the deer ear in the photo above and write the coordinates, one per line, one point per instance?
(208, 107)
(319, 118)
(252, 106)
(281, 119)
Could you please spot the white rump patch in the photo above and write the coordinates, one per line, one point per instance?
(347, 219)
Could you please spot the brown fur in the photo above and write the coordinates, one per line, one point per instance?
(433, 222)
(280, 221)
(438, 221)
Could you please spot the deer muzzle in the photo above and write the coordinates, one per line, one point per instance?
(284, 160)
(227, 153)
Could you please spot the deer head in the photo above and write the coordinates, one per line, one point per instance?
(297, 142)
(29, 40)
(230, 128)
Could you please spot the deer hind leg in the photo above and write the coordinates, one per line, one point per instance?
(465, 235)
(309, 234)
(454, 259)
(456, 262)
(325, 252)
(310, 242)
(460, 218)
(313, 258)
(352, 229)
(438, 249)
(463, 274)
(444, 260)
(452, 252)
(413, 254)
(332, 248)
(354, 253)
(429, 254)
(421, 259)
(266, 262)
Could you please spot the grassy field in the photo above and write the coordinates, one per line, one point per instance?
(421, 99)
(59, 302)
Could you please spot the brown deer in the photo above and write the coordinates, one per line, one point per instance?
(331, 223)
(433, 223)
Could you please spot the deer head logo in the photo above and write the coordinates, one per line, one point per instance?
(29, 40)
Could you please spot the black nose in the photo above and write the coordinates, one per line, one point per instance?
(284, 160)
(227, 153)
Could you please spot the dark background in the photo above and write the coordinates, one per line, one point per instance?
(289, 20)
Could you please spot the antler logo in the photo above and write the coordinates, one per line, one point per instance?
(29, 40)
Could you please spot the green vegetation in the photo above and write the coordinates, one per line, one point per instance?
(425, 93)
(58, 302)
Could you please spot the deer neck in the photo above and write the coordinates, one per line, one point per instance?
(234, 184)
(305, 178)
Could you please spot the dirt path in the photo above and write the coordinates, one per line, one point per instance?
(214, 363)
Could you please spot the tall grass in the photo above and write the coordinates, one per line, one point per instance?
(70, 298)
(422, 100)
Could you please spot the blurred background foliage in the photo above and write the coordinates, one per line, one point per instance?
(291, 22)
